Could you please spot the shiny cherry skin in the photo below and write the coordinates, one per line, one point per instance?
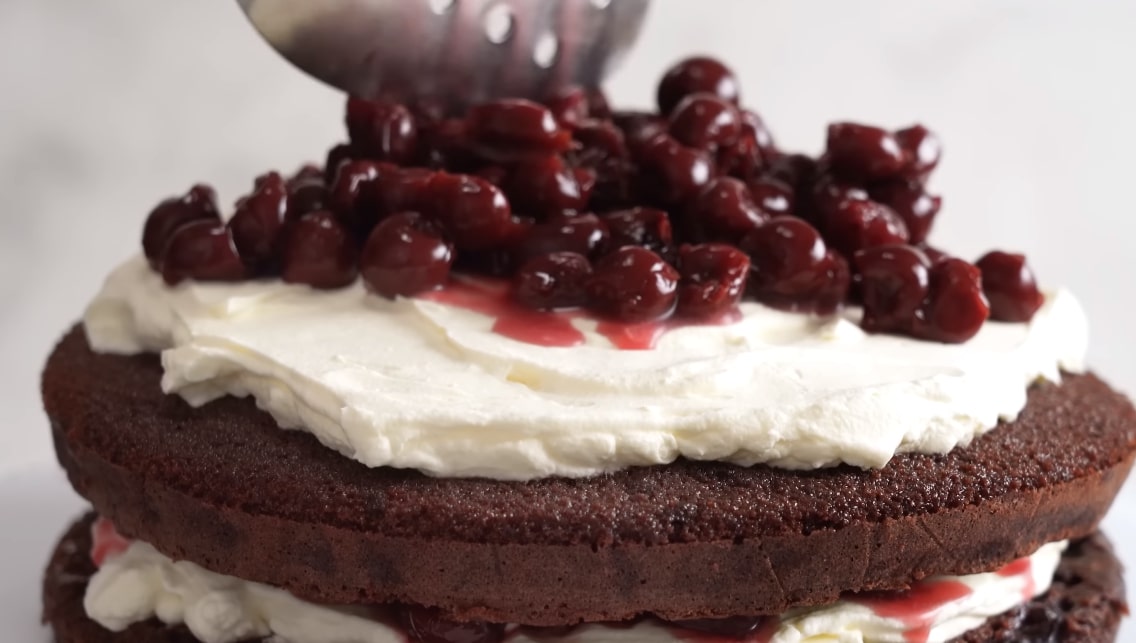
(472, 211)
(645, 227)
(956, 309)
(198, 204)
(425, 625)
(599, 141)
(515, 129)
(403, 189)
(909, 199)
(855, 225)
(382, 130)
(353, 195)
(694, 76)
(1009, 286)
(922, 150)
(639, 127)
(894, 285)
(258, 221)
(792, 269)
(337, 156)
(585, 234)
(774, 197)
(553, 281)
(713, 279)
(547, 187)
(405, 255)
(751, 153)
(569, 105)
(318, 251)
(633, 285)
(705, 122)
(671, 172)
(724, 211)
(202, 250)
(863, 152)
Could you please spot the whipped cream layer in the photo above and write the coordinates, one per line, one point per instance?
(417, 383)
(135, 583)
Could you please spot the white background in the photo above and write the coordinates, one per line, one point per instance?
(108, 105)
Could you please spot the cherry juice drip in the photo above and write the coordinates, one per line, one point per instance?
(916, 607)
(1023, 568)
(106, 542)
(555, 329)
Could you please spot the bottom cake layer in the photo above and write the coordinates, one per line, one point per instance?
(1084, 603)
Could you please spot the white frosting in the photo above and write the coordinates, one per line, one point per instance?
(141, 583)
(420, 384)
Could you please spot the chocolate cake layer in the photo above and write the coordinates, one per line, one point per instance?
(1083, 605)
(223, 486)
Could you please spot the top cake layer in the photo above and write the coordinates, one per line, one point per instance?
(439, 385)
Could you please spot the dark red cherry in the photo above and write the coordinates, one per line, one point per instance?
(354, 193)
(894, 284)
(645, 227)
(639, 127)
(547, 187)
(713, 279)
(585, 234)
(404, 189)
(694, 76)
(705, 122)
(798, 171)
(199, 204)
(633, 284)
(862, 152)
(922, 150)
(670, 171)
(753, 124)
(911, 202)
(598, 105)
(956, 309)
(569, 105)
(855, 225)
(515, 129)
(447, 146)
(318, 251)
(473, 212)
(258, 220)
(750, 153)
(1009, 286)
(552, 281)
(305, 173)
(425, 625)
(724, 211)
(203, 250)
(337, 156)
(791, 269)
(599, 141)
(774, 197)
(307, 195)
(404, 256)
(828, 194)
(933, 254)
(382, 130)
(615, 185)
(736, 627)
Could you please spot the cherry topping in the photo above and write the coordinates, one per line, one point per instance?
(670, 171)
(472, 210)
(305, 173)
(639, 127)
(599, 141)
(855, 225)
(956, 307)
(425, 625)
(552, 281)
(382, 130)
(403, 189)
(912, 203)
(771, 195)
(405, 255)
(791, 269)
(693, 76)
(336, 157)
(586, 235)
(199, 204)
(894, 282)
(725, 211)
(1010, 287)
(704, 121)
(569, 105)
(751, 152)
(546, 187)
(318, 251)
(201, 250)
(306, 195)
(645, 227)
(354, 196)
(633, 284)
(515, 129)
(258, 220)
(713, 279)
(922, 150)
(864, 152)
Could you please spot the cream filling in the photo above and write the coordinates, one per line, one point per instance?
(140, 583)
(420, 384)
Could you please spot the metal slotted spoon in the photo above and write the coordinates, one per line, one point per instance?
(458, 51)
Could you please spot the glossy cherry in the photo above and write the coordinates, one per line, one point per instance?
(863, 152)
(472, 211)
(894, 284)
(854, 225)
(201, 250)
(337, 156)
(1009, 286)
(645, 227)
(198, 204)
(909, 199)
(319, 251)
(639, 127)
(404, 189)
(354, 193)
(724, 211)
(258, 220)
(773, 196)
(569, 105)
(585, 234)
(694, 76)
(751, 153)
(514, 130)
(404, 256)
(553, 281)
(425, 625)
(922, 150)
(599, 141)
(713, 279)
(792, 269)
(382, 130)
(956, 309)
(633, 284)
(671, 172)
(547, 187)
(705, 122)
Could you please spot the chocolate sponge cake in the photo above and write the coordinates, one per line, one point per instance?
(553, 373)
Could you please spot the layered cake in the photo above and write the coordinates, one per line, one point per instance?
(552, 372)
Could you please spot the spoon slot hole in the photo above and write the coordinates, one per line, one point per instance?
(441, 7)
(547, 47)
(498, 23)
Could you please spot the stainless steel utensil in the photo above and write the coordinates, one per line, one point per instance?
(457, 51)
